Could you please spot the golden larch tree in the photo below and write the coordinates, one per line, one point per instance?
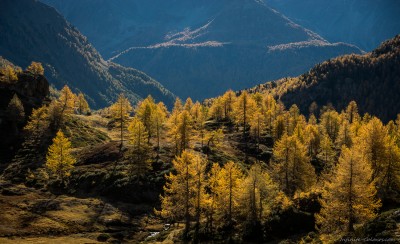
(345, 136)
(160, 117)
(38, 122)
(67, 100)
(63, 107)
(349, 197)
(120, 111)
(81, 104)
(292, 168)
(140, 151)
(244, 109)
(180, 130)
(228, 181)
(59, 159)
(390, 182)
(257, 191)
(257, 126)
(330, 122)
(188, 105)
(9, 74)
(373, 142)
(351, 113)
(146, 112)
(312, 139)
(326, 153)
(35, 68)
(183, 191)
(228, 100)
(195, 111)
(217, 109)
(185, 130)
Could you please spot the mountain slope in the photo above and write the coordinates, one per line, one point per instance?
(36, 32)
(365, 23)
(200, 48)
(372, 80)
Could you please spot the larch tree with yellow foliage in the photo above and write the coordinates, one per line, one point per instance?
(140, 152)
(228, 100)
(279, 128)
(312, 139)
(183, 190)
(213, 139)
(120, 111)
(199, 125)
(38, 122)
(257, 126)
(67, 100)
(390, 182)
(185, 130)
(188, 105)
(195, 111)
(293, 118)
(292, 165)
(352, 112)
(345, 136)
(244, 109)
(210, 203)
(373, 142)
(8, 74)
(146, 112)
(35, 68)
(178, 107)
(271, 113)
(228, 182)
(199, 175)
(349, 197)
(61, 108)
(330, 122)
(327, 153)
(258, 190)
(217, 109)
(59, 160)
(180, 130)
(160, 117)
(81, 104)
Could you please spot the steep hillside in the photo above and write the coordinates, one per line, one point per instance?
(200, 48)
(372, 80)
(36, 32)
(365, 23)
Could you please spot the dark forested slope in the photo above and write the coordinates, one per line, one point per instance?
(372, 80)
(34, 31)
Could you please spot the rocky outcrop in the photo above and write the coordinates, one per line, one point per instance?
(32, 90)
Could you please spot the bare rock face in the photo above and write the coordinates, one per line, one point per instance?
(32, 90)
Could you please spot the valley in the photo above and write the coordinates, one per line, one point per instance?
(200, 49)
